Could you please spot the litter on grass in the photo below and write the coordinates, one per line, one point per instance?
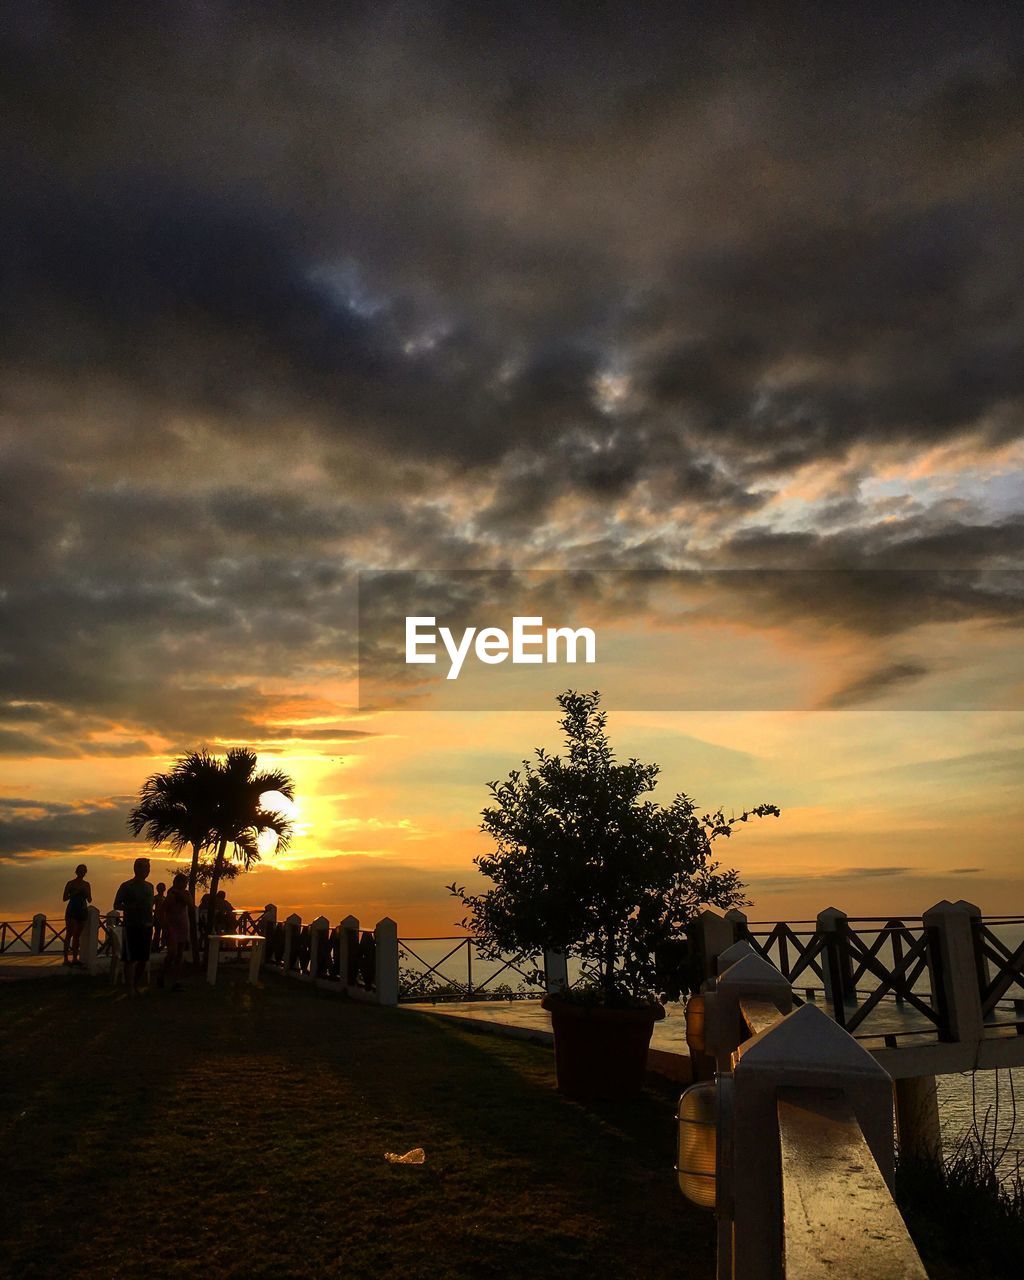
(416, 1156)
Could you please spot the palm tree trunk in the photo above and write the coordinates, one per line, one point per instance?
(218, 865)
(193, 928)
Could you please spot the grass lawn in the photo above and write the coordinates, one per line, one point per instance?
(241, 1131)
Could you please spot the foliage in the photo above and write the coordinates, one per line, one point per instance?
(204, 872)
(179, 808)
(213, 804)
(968, 1208)
(585, 862)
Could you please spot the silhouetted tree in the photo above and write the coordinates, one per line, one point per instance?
(205, 803)
(240, 817)
(179, 809)
(204, 872)
(586, 865)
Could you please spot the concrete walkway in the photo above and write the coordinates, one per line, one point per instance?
(526, 1020)
(48, 965)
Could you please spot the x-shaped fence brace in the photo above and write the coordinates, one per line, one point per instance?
(895, 980)
(10, 935)
(467, 986)
(435, 968)
(895, 933)
(1009, 968)
(512, 964)
(58, 934)
(247, 922)
(807, 952)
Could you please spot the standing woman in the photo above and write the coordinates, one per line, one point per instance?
(176, 913)
(78, 895)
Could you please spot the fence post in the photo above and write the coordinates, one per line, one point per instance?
(917, 1118)
(386, 938)
(267, 926)
(556, 972)
(90, 943)
(256, 960)
(292, 925)
(38, 934)
(318, 929)
(737, 952)
(713, 934)
(348, 952)
(750, 978)
(953, 966)
(738, 920)
(804, 1049)
(836, 964)
(896, 945)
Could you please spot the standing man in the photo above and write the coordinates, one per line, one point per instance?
(135, 901)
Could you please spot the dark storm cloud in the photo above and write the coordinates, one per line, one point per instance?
(292, 290)
(28, 827)
(882, 580)
(491, 206)
(604, 465)
(875, 683)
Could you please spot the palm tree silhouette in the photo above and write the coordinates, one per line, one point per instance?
(180, 809)
(208, 803)
(240, 817)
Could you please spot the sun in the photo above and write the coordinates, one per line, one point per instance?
(280, 804)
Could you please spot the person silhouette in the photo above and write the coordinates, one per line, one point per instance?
(159, 907)
(135, 900)
(78, 895)
(176, 912)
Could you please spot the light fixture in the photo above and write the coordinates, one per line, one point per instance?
(695, 1024)
(698, 1140)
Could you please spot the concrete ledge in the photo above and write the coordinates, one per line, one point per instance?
(526, 1020)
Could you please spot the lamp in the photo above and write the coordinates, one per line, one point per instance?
(694, 1016)
(698, 1139)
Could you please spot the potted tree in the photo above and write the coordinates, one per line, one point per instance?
(587, 863)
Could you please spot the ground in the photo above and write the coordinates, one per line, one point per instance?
(241, 1132)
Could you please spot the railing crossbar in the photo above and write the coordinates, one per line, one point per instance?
(873, 950)
(422, 977)
(512, 964)
(807, 953)
(894, 981)
(1003, 981)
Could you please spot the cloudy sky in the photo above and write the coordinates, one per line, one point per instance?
(295, 291)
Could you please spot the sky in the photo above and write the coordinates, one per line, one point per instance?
(294, 294)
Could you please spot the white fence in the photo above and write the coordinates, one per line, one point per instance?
(803, 1137)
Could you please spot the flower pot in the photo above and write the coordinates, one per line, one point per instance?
(600, 1053)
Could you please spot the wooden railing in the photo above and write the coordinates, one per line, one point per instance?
(805, 1138)
(1009, 967)
(363, 964)
(838, 1215)
(858, 962)
(946, 977)
(15, 935)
